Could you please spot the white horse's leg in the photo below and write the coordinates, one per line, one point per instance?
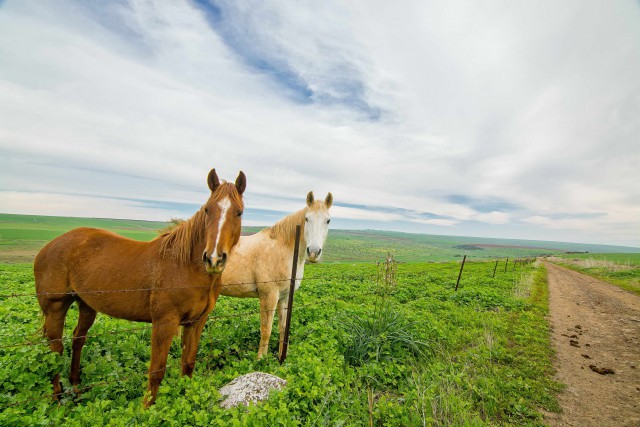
(268, 302)
(283, 304)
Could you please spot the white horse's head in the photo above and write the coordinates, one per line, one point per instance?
(316, 225)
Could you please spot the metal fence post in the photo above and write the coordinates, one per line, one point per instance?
(460, 274)
(505, 265)
(292, 287)
(494, 269)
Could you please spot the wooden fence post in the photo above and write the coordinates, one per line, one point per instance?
(460, 274)
(494, 269)
(292, 287)
(505, 265)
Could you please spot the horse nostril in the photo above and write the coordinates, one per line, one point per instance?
(204, 256)
(222, 259)
(308, 251)
(319, 250)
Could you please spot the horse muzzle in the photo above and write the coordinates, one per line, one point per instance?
(214, 265)
(313, 255)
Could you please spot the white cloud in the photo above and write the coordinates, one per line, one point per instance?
(52, 204)
(492, 101)
(435, 221)
(493, 217)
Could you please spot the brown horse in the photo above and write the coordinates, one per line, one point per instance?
(163, 281)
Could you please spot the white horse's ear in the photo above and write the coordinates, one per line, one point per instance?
(213, 180)
(310, 198)
(328, 200)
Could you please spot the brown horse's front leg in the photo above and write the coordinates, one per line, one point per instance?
(190, 339)
(163, 331)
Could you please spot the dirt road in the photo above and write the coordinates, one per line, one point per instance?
(596, 334)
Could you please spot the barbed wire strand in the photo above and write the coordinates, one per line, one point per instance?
(148, 325)
(182, 288)
(174, 288)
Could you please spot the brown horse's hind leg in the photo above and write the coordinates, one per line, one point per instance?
(190, 340)
(163, 331)
(53, 328)
(85, 319)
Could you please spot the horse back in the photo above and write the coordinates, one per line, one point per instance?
(255, 263)
(105, 270)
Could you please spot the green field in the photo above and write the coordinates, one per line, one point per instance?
(417, 353)
(622, 270)
(22, 236)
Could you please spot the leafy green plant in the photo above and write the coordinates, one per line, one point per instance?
(486, 360)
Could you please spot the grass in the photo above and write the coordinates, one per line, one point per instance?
(622, 270)
(486, 355)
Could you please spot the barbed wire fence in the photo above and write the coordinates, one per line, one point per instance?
(385, 273)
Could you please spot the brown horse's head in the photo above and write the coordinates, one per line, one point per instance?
(223, 212)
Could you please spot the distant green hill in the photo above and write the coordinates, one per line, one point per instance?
(22, 236)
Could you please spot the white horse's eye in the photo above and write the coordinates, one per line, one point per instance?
(328, 221)
(306, 220)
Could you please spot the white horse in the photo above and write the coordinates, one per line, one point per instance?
(259, 266)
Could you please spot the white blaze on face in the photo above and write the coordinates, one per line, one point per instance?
(224, 206)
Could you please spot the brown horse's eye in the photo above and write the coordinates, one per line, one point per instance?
(240, 213)
(206, 210)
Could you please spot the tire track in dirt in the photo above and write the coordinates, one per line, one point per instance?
(595, 327)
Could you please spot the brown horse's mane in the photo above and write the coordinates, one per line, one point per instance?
(285, 229)
(180, 241)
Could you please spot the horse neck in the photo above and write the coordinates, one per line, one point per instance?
(285, 231)
(302, 249)
(186, 241)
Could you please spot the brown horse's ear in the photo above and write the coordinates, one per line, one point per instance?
(310, 198)
(213, 180)
(241, 182)
(328, 200)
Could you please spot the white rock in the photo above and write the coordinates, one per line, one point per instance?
(250, 388)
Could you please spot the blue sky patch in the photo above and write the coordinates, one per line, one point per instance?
(345, 84)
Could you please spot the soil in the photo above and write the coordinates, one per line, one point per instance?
(596, 335)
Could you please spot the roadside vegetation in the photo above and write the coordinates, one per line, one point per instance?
(622, 270)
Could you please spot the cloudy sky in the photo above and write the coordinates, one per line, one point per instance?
(497, 118)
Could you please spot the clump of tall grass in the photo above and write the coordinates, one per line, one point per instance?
(522, 285)
(387, 334)
(384, 333)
